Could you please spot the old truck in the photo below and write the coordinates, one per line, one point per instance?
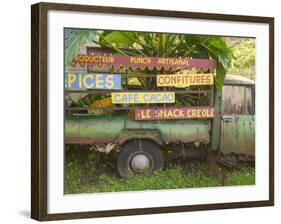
(143, 145)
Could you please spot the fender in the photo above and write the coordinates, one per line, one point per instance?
(150, 134)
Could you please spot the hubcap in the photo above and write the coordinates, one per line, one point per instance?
(140, 163)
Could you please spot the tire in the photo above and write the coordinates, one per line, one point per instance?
(139, 157)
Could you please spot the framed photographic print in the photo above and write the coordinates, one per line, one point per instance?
(139, 111)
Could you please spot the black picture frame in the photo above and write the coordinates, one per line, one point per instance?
(39, 106)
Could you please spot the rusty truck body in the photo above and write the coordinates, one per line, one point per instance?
(143, 143)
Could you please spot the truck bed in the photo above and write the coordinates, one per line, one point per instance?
(90, 129)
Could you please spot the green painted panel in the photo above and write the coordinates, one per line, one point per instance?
(238, 135)
(107, 128)
(101, 129)
(238, 120)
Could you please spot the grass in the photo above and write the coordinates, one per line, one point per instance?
(87, 172)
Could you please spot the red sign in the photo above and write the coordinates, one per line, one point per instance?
(143, 62)
(173, 113)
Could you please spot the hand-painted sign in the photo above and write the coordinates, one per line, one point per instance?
(142, 97)
(143, 62)
(173, 113)
(184, 80)
(85, 80)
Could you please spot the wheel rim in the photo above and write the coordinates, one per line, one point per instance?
(141, 163)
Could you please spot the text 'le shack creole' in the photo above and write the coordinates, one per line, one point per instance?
(85, 80)
(174, 113)
(142, 97)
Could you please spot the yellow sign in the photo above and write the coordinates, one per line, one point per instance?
(142, 97)
(184, 80)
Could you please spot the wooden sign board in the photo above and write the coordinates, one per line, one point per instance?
(142, 97)
(174, 113)
(184, 80)
(84, 80)
(158, 63)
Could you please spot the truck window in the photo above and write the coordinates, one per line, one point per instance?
(238, 100)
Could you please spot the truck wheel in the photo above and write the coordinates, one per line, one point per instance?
(139, 157)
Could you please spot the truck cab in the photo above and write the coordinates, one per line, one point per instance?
(238, 116)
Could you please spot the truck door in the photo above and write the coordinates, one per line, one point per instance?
(238, 120)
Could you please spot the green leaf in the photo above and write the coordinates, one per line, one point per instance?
(221, 72)
(170, 45)
(74, 40)
(121, 38)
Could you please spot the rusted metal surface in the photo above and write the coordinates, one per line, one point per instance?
(238, 120)
(151, 134)
(92, 130)
(237, 80)
(233, 100)
(238, 100)
(238, 135)
(234, 160)
(183, 131)
(106, 129)
(84, 140)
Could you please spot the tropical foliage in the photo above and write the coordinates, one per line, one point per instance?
(151, 44)
(244, 53)
(74, 39)
(170, 45)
